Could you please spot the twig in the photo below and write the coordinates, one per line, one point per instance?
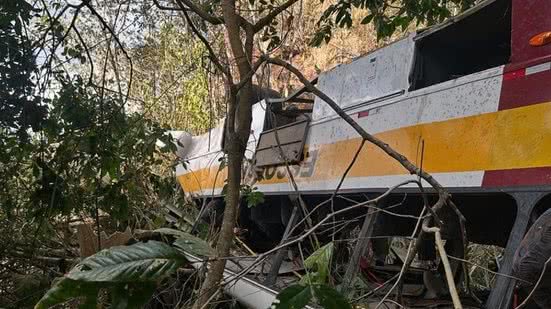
(409, 256)
(212, 55)
(489, 270)
(394, 302)
(166, 8)
(386, 211)
(262, 256)
(119, 43)
(447, 268)
(376, 289)
(191, 6)
(245, 246)
(354, 159)
(266, 20)
(90, 60)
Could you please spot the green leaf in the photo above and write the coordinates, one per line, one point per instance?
(367, 19)
(329, 298)
(251, 195)
(140, 262)
(322, 256)
(319, 262)
(194, 245)
(254, 198)
(311, 278)
(294, 297)
(169, 231)
(298, 296)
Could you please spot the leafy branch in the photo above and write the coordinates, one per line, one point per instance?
(129, 273)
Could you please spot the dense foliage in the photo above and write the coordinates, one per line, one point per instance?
(386, 16)
(20, 107)
(69, 151)
(172, 81)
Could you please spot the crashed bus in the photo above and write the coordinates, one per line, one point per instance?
(469, 101)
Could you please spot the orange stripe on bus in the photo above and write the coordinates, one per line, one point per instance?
(514, 138)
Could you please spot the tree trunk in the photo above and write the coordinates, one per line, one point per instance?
(225, 238)
(238, 127)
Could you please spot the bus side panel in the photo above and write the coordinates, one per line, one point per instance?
(530, 17)
(526, 91)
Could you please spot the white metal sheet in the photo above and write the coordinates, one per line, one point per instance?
(377, 74)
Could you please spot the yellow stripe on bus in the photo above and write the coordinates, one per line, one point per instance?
(514, 138)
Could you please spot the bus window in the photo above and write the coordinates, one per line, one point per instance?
(472, 42)
(283, 144)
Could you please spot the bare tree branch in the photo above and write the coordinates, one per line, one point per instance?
(443, 195)
(488, 270)
(410, 167)
(86, 49)
(251, 73)
(212, 55)
(447, 268)
(191, 6)
(167, 8)
(266, 20)
(119, 43)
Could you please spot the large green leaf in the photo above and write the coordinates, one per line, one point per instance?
(128, 272)
(318, 262)
(188, 243)
(193, 245)
(294, 297)
(298, 296)
(140, 262)
(329, 298)
(173, 232)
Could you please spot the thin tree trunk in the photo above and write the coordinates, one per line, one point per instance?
(225, 238)
(237, 131)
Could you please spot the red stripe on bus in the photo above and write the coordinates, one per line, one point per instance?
(514, 75)
(517, 177)
(363, 114)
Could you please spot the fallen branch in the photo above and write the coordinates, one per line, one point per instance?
(48, 260)
(409, 256)
(488, 270)
(447, 268)
(410, 167)
(299, 239)
(443, 195)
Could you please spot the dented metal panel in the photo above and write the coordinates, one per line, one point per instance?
(282, 145)
(380, 73)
